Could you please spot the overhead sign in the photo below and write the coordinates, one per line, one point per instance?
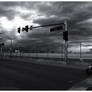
(60, 27)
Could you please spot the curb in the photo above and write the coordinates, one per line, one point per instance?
(50, 62)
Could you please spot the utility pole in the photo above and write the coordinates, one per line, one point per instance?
(1, 47)
(81, 52)
(66, 44)
(11, 47)
(1, 50)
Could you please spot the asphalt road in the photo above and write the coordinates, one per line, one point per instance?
(18, 75)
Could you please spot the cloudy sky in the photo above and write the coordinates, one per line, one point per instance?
(15, 14)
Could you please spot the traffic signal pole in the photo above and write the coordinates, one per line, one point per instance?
(11, 47)
(65, 33)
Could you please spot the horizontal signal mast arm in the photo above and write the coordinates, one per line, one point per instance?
(48, 25)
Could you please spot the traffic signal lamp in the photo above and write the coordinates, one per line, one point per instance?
(65, 35)
(31, 27)
(19, 30)
(26, 28)
(2, 44)
(23, 29)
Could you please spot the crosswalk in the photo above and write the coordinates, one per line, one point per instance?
(83, 85)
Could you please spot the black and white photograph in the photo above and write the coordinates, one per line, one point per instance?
(46, 45)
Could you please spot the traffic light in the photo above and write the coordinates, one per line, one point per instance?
(2, 44)
(19, 30)
(23, 29)
(65, 35)
(26, 28)
(31, 27)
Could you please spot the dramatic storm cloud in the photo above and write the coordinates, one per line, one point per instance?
(15, 14)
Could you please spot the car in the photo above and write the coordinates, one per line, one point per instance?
(89, 70)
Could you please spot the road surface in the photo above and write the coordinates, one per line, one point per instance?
(15, 74)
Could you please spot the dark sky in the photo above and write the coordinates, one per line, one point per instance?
(15, 14)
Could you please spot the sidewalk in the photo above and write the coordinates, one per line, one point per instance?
(83, 85)
(77, 65)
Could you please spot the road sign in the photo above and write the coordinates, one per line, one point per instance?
(60, 27)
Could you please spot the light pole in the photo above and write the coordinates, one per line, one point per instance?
(66, 44)
(1, 46)
(11, 47)
(11, 44)
(81, 52)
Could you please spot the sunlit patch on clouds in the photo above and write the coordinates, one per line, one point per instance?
(22, 10)
(5, 24)
(86, 21)
(12, 25)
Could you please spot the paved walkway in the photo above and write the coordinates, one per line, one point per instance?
(77, 65)
(83, 85)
